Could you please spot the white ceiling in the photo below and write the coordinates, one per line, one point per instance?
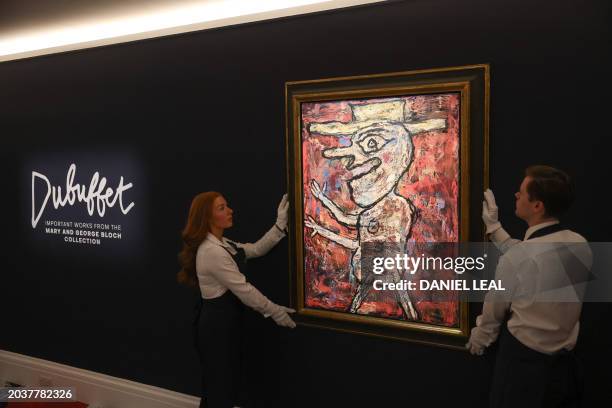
(38, 27)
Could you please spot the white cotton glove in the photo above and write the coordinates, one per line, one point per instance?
(283, 213)
(474, 349)
(490, 212)
(281, 316)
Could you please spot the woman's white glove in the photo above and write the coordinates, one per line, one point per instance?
(490, 212)
(283, 213)
(281, 316)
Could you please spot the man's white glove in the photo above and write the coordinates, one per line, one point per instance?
(474, 349)
(282, 318)
(490, 212)
(283, 213)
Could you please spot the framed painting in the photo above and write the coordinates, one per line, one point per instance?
(378, 166)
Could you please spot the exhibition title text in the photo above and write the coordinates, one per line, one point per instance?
(96, 196)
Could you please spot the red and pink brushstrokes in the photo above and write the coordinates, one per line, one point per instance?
(430, 184)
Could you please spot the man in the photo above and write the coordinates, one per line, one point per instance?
(537, 322)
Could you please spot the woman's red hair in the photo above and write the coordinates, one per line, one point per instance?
(194, 233)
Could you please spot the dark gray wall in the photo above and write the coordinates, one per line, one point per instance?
(205, 111)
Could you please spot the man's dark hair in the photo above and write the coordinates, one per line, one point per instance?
(551, 186)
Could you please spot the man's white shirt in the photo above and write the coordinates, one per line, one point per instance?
(545, 324)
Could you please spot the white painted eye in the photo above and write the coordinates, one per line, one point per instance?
(372, 143)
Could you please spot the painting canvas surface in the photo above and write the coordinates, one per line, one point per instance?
(380, 176)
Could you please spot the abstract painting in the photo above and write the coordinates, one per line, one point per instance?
(378, 171)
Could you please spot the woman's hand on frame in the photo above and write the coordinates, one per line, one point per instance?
(281, 316)
(283, 213)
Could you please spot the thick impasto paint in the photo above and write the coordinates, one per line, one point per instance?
(379, 175)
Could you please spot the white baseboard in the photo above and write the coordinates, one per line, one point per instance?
(97, 390)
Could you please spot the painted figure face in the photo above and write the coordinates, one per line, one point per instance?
(377, 157)
(221, 214)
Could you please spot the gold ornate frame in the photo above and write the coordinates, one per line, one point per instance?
(472, 83)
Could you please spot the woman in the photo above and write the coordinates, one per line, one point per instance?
(217, 266)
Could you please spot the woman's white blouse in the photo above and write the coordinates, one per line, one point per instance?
(217, 271)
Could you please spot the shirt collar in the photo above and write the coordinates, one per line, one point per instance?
(537, 227)
(212, 239)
